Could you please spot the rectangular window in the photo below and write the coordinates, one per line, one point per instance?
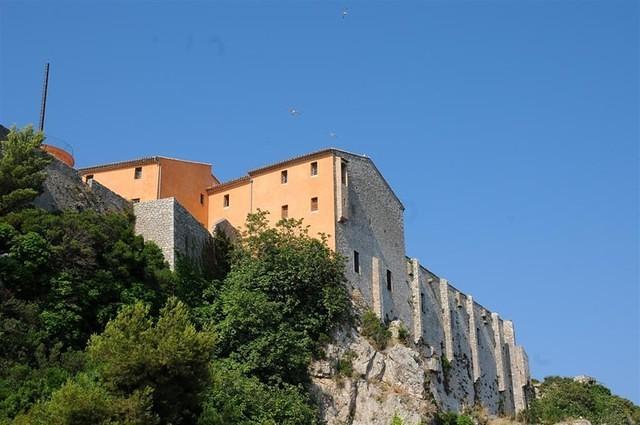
(389, 280)
(422, 306)
(201, 199)
(343, 173)
(135, 200)
(284, 176)
(89, 178)
(314, 168)
(284, 211)
(137, 173)
(356, 262)
(314, 204)
(225, 201)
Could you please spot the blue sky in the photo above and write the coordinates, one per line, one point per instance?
(509, 129)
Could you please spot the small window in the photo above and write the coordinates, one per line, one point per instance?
(343, 173)
(314, 204)
(225, 201)
(137, 174)
(356, 262)
(389, 280)
(284, 212)
(135, 200)
(314, 168)
(422, 306)
(201, 199)
(284, 176)
(88, 178)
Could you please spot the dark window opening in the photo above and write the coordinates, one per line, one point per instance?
(314, 168)
(389, 280)
(88, 178)
(284, 176)
(135, 200)
(356, 262)
(225, 201)
(314, 204)
(201, 199)
(284, 212)
(137, 173)
(422, 306)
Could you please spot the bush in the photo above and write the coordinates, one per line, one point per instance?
(235, 398)
(403, 334)
(167, 356)
(345, 364)
(563, 398)
(285, 291)
(374, 330)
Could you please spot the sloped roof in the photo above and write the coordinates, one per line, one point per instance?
(299, 158)
(133, 162)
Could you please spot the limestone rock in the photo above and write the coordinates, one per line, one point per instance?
(383, 384)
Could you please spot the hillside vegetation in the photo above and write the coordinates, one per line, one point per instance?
(96, 329)
(562, 399)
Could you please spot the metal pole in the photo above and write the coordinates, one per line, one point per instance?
(45, 87)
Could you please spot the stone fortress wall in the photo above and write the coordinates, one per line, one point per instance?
(483, 365)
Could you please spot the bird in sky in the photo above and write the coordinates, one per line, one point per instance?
(345, 12)
(294, 112)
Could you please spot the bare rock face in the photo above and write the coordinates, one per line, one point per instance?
(381, 383)
(63, 189)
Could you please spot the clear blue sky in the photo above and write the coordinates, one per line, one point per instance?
(509, 129)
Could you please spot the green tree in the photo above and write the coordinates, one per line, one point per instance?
(563, 398)
(284, 290)
(235, 398)
(168, 356)
(85, 401)
(22, 164)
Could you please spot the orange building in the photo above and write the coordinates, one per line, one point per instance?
(303, 188)
(158, 177)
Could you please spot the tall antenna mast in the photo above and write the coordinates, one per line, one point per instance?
(45, 87)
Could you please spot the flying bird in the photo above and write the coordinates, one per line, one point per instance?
(345, 12)
(294, 112)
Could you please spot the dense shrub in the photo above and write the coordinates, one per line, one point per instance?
(564, 398)
(374, 330)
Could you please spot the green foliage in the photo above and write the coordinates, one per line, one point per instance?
(85, 401)
(396, 420)
(374, 330)
(284, 290)
(168, 356)
(235, 398)
(21, 168)
(63, 277)
(403, 334)
(345, 364)
(452, 418)
(564, 398)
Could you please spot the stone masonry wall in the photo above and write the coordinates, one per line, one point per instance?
(172, 228)
(374, 227)
(479, 360)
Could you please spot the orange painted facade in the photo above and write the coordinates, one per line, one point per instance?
(158, 177)
(308, 192)
(265, 189)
